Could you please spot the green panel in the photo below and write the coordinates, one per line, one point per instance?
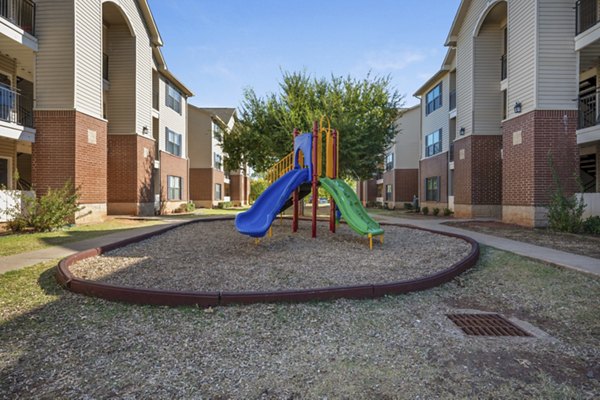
(349, 204)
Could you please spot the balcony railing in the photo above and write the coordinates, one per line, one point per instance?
(452, 99)
(13, 109)
(503, 67)
(20, 13)
(451, 152)
(588, 111)
(586, 15)
(155, 99)
(105, 66)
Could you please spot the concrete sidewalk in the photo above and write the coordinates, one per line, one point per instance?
(18, 261)
(568, 260)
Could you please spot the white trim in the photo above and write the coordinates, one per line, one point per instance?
(17, 34)
(587, 37)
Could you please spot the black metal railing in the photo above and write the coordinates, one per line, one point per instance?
(452, 99)
(20, 13)
(503, 67)
(451, 152)
(588, 111)
(105, 66)
(586, 15)
(13, 109)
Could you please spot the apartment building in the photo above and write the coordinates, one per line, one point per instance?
(516, 69)
(210, 182)
(398, 183)
(77, 79)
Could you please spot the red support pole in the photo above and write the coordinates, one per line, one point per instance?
(332, 201)
(295, 196)
(315, 192)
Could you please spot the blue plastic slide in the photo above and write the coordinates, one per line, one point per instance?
(256, 221)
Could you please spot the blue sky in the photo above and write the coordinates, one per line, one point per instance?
(219, 47)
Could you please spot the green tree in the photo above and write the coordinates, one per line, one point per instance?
(362, 110)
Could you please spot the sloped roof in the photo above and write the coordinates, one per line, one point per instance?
(445, 68)
(458, 21)
(222, 113)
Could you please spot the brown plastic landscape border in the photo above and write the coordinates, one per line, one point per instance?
(159, 297)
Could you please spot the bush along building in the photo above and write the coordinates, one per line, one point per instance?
(86, 96)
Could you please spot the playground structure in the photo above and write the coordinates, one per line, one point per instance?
(300, 174)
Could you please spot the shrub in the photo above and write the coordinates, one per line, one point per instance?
(408, 206)
(448, 212)
(564, 212)
(224, 204)
(257, 186)
(53, 210)
(425, 210)
(592, 225)
(436, 211)
(187, 207)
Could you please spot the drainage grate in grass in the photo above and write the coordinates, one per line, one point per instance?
(486, 325)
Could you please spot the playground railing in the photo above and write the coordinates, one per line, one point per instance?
(280, 168)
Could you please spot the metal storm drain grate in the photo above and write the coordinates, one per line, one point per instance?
(486, 325)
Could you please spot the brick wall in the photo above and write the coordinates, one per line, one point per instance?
(238, 190)
(64, 149)
(432, 167)
(406, 185)
(478, 170)
(201, 184)
(174, 166)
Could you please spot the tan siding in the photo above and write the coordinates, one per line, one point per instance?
(54, 67)
(406, 149)
(521, 54)
(487, 95)
(121, 100)
(88, 57)
(439, 118)
(557, 60)
(8, 148)
(9, 66)
(200, 138)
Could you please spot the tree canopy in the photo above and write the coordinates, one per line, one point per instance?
(362, 110)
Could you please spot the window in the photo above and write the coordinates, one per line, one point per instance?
(218, 161)
(434, 99)
(432, 188)
(433, 143)
(218, 191)
(173, 98)
(389, 162)
(173, 142)
(388, 192)
(504, 105)
(174, 187)
(217, 132)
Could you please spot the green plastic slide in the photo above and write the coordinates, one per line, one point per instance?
(351, 208)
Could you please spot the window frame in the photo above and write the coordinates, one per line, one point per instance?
(219, 192)
(432, 192)
(173, 147)
(389, 195)
(172, 190)
(218, 164)
(389, 161)
(9, 172)
(435, 147)
(436, 102)
(173, 98)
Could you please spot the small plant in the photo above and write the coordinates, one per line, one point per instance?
(224, 205)
(565, 213)
(53, 210)
(187, 207)
(448, 212)
(436, 211)
(425, 210)
(408, 206)
(592, 225)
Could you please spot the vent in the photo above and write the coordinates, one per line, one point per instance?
(486, 325)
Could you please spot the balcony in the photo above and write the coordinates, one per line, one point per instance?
(451, 152)
(104, 66)
(20, 13)
(13, 109)
(155, 99)
(586, 15)
(503, 67)
(588, 113)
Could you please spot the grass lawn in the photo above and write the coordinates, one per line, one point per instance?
(18, 243)
(206, 212)
(401, 213)
(55, 344)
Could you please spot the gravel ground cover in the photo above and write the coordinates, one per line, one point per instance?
(585, 245)
(55, 344)
(213, 256)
